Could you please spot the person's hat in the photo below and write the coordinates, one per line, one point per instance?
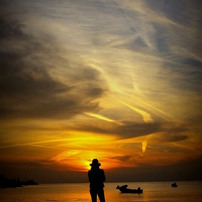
(95, 163)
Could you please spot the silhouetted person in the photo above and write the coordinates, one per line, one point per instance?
(96, 178)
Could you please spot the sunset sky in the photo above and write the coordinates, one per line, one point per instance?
(117, 80)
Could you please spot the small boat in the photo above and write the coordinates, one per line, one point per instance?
(174, 184)
(124, 189)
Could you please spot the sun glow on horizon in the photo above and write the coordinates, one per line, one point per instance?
(80, 160)
(82, 148)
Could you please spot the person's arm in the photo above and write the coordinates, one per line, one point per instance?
(89, 176)
(103, 177)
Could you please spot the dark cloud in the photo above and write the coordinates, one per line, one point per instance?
(11, 29)
(127, 130)
(185, 73)
(171, 132)
(192, 62)
(27, 89)
(162, 40)
(131, 129)
(165, 131)
(137, 44)
(178, 11)
(171, 128)
(140, 42)
(189, 169)
(175, 138)
(123, 158)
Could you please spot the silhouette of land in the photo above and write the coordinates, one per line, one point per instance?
(13, 183)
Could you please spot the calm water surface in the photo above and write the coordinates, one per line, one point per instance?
(153, 191)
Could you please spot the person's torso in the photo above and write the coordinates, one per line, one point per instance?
(96, 178)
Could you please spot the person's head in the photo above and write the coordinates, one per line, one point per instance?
(95, 164)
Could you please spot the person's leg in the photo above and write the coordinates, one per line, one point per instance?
(93, 194)
(101, 195)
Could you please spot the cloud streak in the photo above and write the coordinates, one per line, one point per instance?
(146, 116)
(101, 117)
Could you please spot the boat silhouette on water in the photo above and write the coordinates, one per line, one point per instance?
(174, 184)
(124, 189)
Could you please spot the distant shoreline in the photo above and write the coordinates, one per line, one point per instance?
(13, 183)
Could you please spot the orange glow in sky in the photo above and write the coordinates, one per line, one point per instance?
(86, 147)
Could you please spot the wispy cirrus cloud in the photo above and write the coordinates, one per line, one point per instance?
(29, 89)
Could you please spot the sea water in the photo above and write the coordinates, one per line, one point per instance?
(79, 192)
